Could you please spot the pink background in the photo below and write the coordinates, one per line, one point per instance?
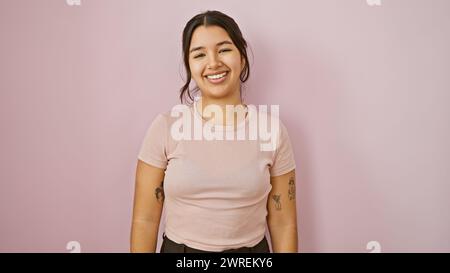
(363, 90)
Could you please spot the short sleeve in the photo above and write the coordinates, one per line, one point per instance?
(284, 160)
(153, 147)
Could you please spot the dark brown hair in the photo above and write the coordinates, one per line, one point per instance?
(212, 18)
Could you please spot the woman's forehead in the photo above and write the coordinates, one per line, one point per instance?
(208, 36)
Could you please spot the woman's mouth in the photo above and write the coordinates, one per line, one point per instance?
(217, 78)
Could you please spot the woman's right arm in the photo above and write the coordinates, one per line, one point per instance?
(147, 208)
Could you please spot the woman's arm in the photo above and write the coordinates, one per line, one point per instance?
(282, 213)
(147, 210)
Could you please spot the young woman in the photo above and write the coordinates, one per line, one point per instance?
(218, 194)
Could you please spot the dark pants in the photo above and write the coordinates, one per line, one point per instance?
(169, 246)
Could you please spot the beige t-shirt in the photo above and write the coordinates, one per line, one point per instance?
(215, 190)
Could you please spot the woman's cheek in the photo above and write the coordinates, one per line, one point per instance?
(196, 71)
(234, 62)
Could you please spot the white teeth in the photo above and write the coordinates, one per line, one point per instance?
(218, 76)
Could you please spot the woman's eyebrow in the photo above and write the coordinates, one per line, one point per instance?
(218, 44)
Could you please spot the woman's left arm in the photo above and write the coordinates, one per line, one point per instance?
(282, 213)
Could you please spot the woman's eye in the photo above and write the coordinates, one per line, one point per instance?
(199, 55)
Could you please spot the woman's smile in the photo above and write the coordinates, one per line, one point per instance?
(217, 78)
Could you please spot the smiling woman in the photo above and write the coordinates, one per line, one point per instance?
(213, 44)
(217, 76)
(219, 194)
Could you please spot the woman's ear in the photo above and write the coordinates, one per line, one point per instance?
(242, 63)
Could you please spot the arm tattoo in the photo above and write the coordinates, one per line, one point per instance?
(291, 191)
(276, 198)
(159, 193)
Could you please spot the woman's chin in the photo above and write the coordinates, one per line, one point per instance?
(217, 92)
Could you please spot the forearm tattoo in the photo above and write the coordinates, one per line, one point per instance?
(291, 191)
(159, 193)
(276, 198)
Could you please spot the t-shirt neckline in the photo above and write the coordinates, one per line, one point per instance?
(220, 127)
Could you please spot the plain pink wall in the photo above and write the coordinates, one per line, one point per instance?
(364, 92)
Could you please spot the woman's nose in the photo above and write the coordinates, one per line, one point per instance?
(214, 61)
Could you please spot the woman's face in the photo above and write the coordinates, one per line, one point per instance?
(212, 52)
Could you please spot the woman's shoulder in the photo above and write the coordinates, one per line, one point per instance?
(167, 117)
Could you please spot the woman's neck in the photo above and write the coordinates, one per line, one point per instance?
(237, 113)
